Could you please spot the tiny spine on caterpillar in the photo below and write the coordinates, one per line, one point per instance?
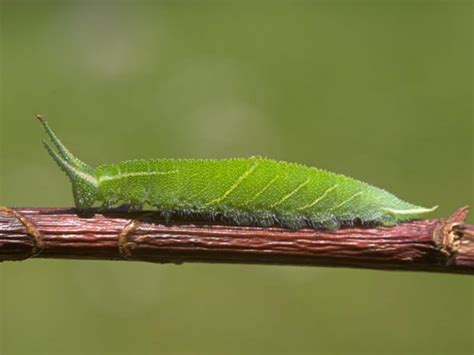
(252, 191)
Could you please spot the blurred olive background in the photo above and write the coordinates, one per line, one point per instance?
(379, 90)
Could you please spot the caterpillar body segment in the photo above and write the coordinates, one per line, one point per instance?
(253, 191)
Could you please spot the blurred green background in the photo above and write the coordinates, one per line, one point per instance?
(381, 91)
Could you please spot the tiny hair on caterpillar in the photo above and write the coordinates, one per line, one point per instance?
(252, 191)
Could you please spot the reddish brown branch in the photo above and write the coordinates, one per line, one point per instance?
(425, 245)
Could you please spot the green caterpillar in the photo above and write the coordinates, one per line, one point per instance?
(254, 191)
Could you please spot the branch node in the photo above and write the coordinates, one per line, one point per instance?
(448, 234)
(124, 245)
(30, 229)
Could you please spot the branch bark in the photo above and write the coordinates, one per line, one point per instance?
(443, 245)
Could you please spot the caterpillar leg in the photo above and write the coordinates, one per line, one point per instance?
(331, 224)
(126, 207)
(387, 220)
(133, 207)
(165, 214)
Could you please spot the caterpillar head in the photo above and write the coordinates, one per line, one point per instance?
(84, 182)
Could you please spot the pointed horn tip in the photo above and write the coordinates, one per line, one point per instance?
(40, 117)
